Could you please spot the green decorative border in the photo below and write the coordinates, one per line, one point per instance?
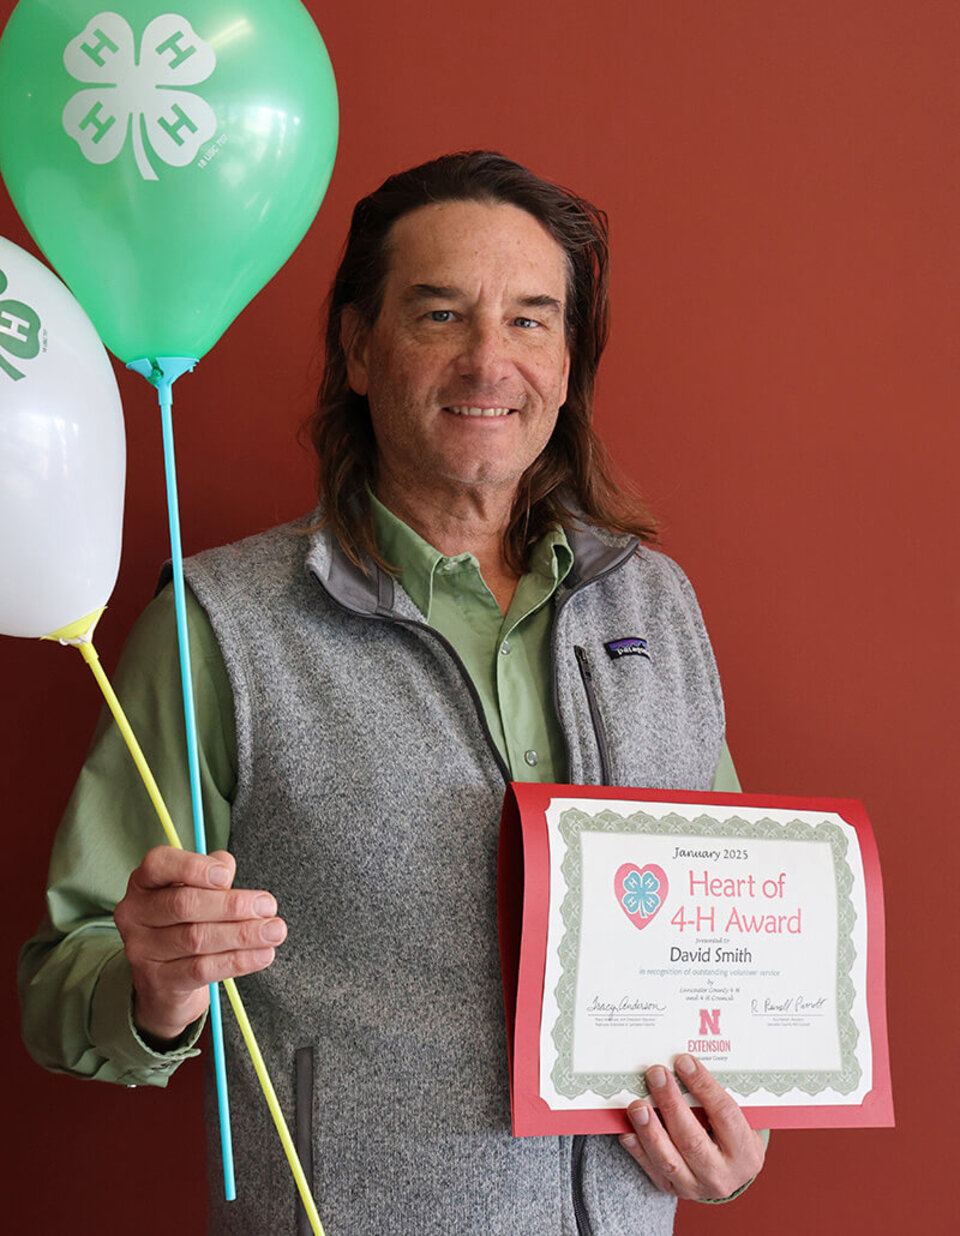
(573, 823)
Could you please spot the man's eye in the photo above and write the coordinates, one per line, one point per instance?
(526, 323)
(440, 315)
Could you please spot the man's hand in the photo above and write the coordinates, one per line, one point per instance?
(678, 1154)
(184, 928)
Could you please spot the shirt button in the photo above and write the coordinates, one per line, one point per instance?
(531, 757)
(505, 647)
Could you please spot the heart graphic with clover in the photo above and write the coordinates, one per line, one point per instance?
(140, 96)
(641, 892)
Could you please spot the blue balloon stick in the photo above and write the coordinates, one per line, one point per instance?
(163, 372)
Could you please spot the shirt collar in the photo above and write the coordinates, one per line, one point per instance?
(418, 561)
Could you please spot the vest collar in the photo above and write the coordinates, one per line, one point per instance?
(375, 593)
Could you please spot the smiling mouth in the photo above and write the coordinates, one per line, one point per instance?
(464, 410)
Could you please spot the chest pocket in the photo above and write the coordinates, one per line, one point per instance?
(646, 718)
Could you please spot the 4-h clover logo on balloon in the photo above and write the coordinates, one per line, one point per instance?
(19, 332)
(640, 891)
(142, 95)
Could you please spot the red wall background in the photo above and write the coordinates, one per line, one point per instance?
(781, 178)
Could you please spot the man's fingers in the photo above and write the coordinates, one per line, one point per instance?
(164, 865)
(198, 939)
(189, 973)
(727, 1122)
(651, 1146)
(184, 927)
(170, 995)
(681, 1133)
(684, 1129)
(184, 903)
(176, 886)
(676, 1152)
(639, 1114)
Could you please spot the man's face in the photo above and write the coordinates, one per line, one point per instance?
(466, 365)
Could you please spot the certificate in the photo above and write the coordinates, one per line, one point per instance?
(637, 924)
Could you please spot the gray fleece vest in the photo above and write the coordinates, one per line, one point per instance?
(368, 800)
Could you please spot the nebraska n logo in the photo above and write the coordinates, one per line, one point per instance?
(709, 1022)
(19, 332)
(142, 95)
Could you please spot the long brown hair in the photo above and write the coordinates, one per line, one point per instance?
(572, 476)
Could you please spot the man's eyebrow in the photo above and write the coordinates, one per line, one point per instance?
(542, 301)
(433, 291)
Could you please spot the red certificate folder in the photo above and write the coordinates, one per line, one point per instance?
(695, 886)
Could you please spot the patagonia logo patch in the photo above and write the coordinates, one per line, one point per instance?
(629, 646)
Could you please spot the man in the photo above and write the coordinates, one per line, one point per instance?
(367, 682)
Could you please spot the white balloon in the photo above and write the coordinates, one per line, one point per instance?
(62, 454)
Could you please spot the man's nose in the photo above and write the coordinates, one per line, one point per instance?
(485, 355)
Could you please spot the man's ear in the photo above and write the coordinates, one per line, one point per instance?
(353, 340)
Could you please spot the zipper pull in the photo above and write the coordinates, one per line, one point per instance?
(581, 655)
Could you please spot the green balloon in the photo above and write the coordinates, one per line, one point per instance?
(167, 163)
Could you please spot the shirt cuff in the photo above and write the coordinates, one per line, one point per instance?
(113, 1033)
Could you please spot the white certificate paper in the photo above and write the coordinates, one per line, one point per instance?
(746, 931)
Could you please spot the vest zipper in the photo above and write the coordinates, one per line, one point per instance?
(414, 625)
(599, 732)
(464, 673)
(468, 682)
(561, 605)
(576, 1184)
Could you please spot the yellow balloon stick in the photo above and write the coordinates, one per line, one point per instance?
(80, 636)
(89, 654)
